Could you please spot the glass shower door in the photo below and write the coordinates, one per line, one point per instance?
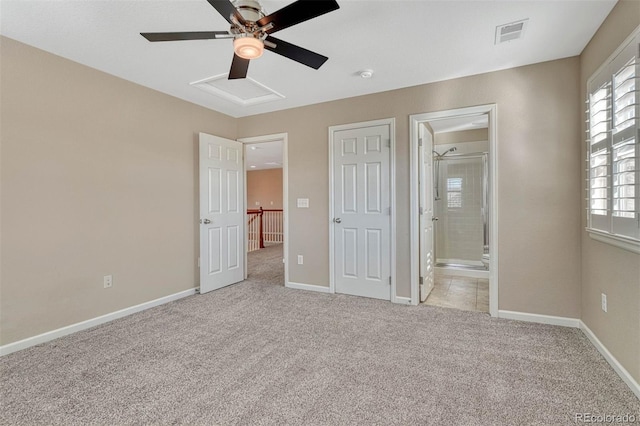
(461, 208)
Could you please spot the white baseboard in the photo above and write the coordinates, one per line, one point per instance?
(542, 319)
(401, 300)
(310, 287)
(617, 367)
(73, 328)
(461, 272)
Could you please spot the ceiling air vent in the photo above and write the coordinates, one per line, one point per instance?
(511, 31)
(243, 92)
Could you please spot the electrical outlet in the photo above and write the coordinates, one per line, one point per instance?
(108, 281)
(300, 259)
(604, 302)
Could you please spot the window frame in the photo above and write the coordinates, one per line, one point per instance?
(606, 225)
(458, 190)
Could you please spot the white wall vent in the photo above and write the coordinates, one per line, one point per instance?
(511, 31)
(243, 91)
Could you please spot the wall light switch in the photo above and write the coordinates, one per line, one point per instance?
(300, 259)
(303, 203)
(257, 203)
(604, 302)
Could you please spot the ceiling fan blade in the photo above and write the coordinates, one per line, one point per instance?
(227, 9)
(239, 67)
(298, 54)
(192, 35)
(300, 11)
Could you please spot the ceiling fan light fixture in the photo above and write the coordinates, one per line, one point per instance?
(248, 47)
(251, 30)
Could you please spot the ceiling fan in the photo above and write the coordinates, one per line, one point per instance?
(251, 31)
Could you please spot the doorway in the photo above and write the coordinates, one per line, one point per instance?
(454, 208)
(266, 195)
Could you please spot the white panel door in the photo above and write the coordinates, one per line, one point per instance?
(425, 153)
(362, 214)
(221, 212)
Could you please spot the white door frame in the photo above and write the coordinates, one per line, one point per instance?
(391, 122)
(414, 128)
(284, 137)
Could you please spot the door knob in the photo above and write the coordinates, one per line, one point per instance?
(434, 218)
(337, 220)
(206, 221)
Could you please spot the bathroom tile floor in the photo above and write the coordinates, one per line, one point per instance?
(464, 293)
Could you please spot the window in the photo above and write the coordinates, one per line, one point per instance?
(454, 193)
(613, 149)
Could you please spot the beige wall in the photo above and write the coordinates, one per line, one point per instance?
(98, 176)
(461, 137)
(264, 189)
(607, 269)
(539, 183)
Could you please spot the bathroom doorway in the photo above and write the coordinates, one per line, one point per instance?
(461, 195)
(453, 168)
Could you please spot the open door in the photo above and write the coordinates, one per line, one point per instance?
(427, 218)
(222, 212)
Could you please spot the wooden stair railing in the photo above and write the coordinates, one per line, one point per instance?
(255, 215)
(271, 231)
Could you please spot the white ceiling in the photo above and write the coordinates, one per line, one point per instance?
(405, 43)
(264, 155)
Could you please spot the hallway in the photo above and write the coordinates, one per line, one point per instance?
(266, 266)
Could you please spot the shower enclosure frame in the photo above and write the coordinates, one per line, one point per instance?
(416, 127)
(485, 209)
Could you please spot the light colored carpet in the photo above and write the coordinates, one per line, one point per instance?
(259, 353)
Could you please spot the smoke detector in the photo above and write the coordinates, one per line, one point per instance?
(366, 73)
(511, 31)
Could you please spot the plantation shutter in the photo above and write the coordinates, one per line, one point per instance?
(613, 163)
(599, 170)
(625, 164)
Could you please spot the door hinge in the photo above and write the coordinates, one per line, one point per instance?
(421, 210)
(389, 280)
(387, 143)
(420, 142)
(198, 262)
(421, 280)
